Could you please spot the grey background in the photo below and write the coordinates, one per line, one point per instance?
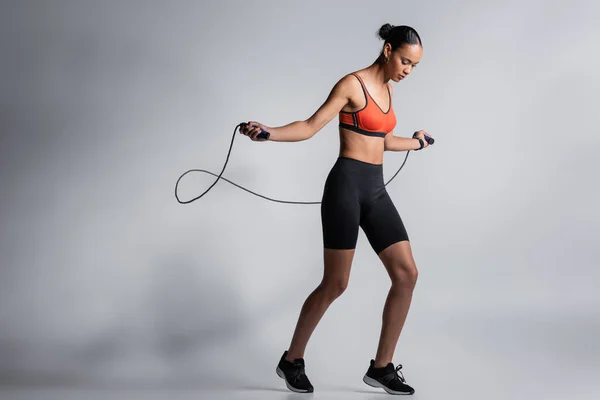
(106, 282)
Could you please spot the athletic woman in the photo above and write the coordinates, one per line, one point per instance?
(355, 196)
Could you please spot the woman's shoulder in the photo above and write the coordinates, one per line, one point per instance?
(351, 80)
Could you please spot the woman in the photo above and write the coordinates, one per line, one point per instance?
(354, 195)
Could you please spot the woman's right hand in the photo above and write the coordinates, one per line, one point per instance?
(252, 129)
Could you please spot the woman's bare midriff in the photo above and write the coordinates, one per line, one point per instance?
(360, 147)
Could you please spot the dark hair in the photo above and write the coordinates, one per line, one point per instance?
(399, 36)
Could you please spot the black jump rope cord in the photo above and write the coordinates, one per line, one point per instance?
(249, 191)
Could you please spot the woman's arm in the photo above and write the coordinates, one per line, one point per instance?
(396, 143)
(302, 130)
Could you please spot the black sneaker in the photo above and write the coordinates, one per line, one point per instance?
(293, 374)
(387, 378)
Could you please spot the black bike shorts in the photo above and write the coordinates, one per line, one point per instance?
(355, 195)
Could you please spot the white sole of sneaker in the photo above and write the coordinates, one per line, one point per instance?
(282, 376)
(372, 382)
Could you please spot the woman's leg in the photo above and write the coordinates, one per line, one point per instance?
(388, 237)
(336, 274)
(340, 218)
(400, 265)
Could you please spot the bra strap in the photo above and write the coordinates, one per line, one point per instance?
(364, 89)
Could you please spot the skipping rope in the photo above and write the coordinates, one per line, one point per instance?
(266, 135)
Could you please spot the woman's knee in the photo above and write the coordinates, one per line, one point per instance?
(337, 272)
(404, 274)
(334, 288)
(400, 264)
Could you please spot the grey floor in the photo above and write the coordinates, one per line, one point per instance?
(522, 356)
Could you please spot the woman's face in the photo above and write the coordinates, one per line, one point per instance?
(402, 60)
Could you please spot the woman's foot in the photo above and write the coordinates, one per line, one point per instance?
(387, 378)
(294, 375)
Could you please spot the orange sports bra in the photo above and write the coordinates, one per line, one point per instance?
(369, 120)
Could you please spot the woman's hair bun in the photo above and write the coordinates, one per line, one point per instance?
(385, 30)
